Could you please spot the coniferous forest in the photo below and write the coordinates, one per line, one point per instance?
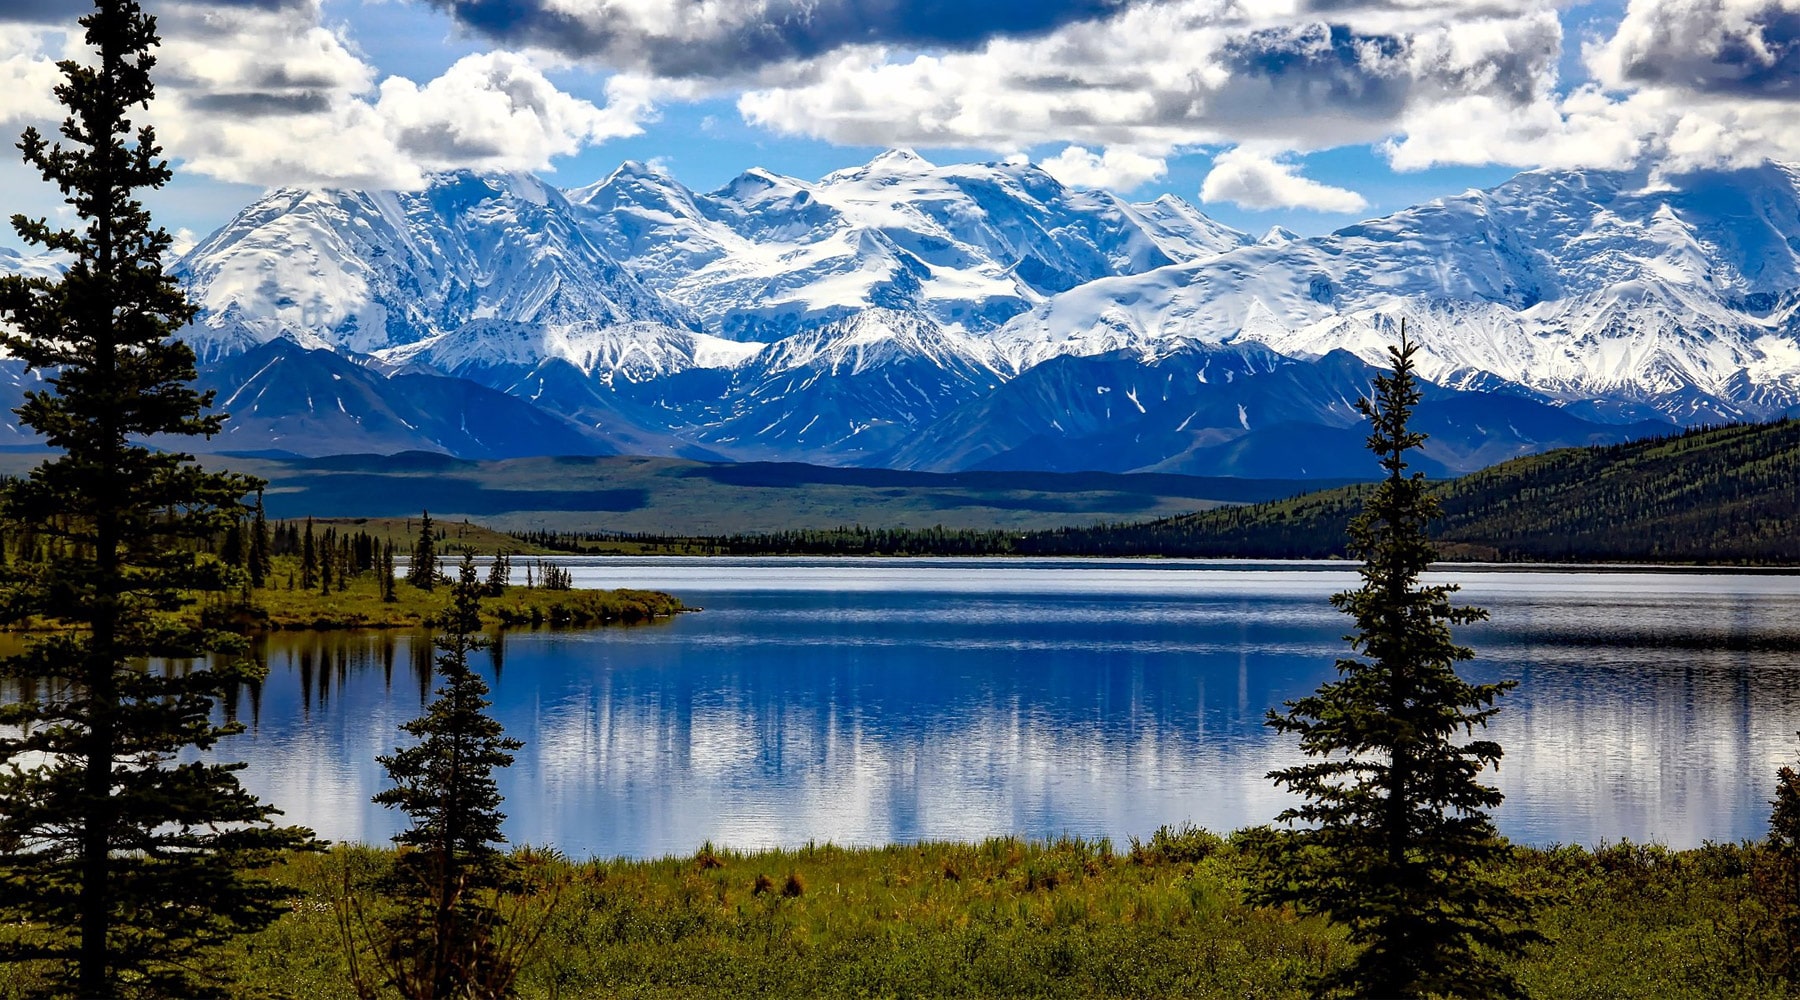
(1720, 495)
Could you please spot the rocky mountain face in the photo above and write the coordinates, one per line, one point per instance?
(984, 316)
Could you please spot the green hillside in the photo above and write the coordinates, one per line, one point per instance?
(1725, 495)
(678, 497)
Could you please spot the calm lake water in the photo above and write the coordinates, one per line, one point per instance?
(865, 702)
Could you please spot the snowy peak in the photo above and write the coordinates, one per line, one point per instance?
(873, 338)
(39, 265)
(366, 270)
(888, 166)
(967, 245)
(1575, 285)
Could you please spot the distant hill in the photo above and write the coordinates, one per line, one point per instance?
(1726, 495)
(681, 497)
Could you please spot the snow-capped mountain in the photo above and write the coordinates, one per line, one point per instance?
(41, 265)
(847, 391)
(967, 246)
(360, 271)
(986, 316)
(1590, 289)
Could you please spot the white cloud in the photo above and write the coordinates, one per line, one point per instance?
(270, 93)
(494, 110)
(1118, 169)
(267, 94)
(1678, 84)
(741, 39)
(1747, 48)
(1157, 76)
(1253, 180)
(28, 74)
(182, 240)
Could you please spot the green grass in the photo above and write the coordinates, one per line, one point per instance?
(360, 605)
(1008, 918)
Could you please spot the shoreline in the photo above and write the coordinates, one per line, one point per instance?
(1199, 562)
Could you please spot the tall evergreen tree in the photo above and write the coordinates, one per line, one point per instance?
(232, 549)
(387, 574)
(1397, 843)
(423, 572)
(261, 563)
(1772, 941)
(444, 940)
(309, 559)
(327, 557)
(126, 865)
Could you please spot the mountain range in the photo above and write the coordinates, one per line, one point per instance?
(983, 317)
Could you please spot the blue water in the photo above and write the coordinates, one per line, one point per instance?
(866, 702)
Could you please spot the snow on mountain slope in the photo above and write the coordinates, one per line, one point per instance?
(1581, 286)
(1237, 409)
(35, 265)
(849, 389)
(366, 270)
(967, 245)
(633, 351)
(983, 314)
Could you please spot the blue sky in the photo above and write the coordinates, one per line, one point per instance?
(1304, 113)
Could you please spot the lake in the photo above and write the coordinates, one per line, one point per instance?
(872, 701)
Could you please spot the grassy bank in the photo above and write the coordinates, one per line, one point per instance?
(359, 605)
(1006, 918)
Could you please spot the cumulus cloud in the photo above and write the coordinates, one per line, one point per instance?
(1119, 169)
(28, 75)
(1678, 85)
(1181, 72)
(264, 92)
(497, 110)
(1252, 180)
(727, 38)
(1739, 48)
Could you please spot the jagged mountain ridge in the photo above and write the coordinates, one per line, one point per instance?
(966, 245)
(359, 271)
(1589, 290)
(972, 315)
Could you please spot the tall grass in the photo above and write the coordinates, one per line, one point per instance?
(1012, 918)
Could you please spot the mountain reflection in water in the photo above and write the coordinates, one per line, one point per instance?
(868, 702)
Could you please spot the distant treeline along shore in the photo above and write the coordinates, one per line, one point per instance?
(1723, 495)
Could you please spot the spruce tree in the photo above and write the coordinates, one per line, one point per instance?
(232, 549)
(1397, 844)
(261, 565)
(445, 938)
(387, 574)
(423, 572)
(123, 861)
(327, 555)
(499, 573)
(1772, 941)
(309, 559)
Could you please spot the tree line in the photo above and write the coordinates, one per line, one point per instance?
(1712, 494)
